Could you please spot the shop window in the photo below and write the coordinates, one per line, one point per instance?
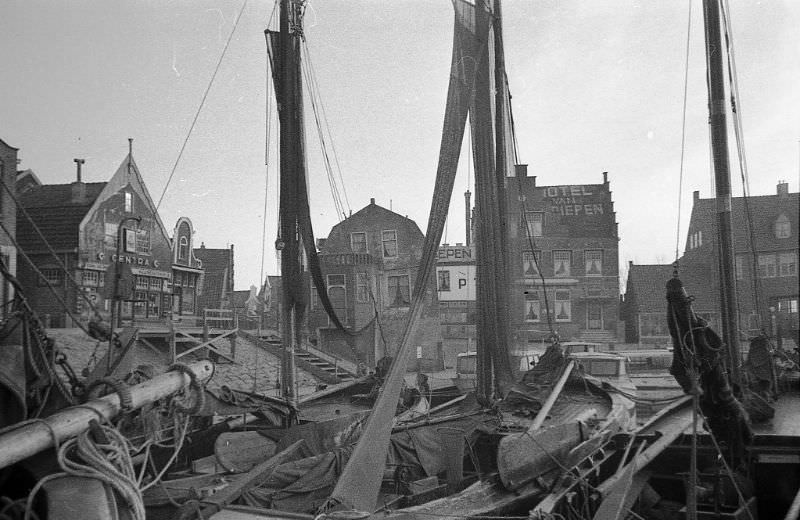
(787, 264)
(51, 277)
(534, 221)
(399, 291)
(155, 284)
(444, 280)
(358, 242)
(594, 262)
(140, 303)
(154, 300)
(141, 283)
(389, 239)
(530, 263)
(563, 306)
(562, 262)
(533, 310)
(183, 248)
(362, 288)
(783, 228)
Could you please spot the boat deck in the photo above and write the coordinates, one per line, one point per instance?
(786, 422)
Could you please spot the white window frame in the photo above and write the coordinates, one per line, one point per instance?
(362, 284)
(767, 265)
(787, 264)
(598, 254)
(441, 276)
(783, 228)
(534, 223)
(567, 264)
(532, 303)
(528, 260)
(183, 248)
(562, 305)
(128, 202)
(391, 296)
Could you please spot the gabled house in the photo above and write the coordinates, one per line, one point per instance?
(217, 279)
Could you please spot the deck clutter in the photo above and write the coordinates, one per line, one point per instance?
(384, 374)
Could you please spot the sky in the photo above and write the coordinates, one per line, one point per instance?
(596, 85)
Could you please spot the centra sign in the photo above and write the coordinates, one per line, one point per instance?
(130, 260)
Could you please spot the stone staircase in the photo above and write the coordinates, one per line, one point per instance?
(326, 366)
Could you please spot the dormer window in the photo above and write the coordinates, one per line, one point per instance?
(783, 228)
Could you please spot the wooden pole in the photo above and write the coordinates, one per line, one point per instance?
(551, 399)
(35, 436)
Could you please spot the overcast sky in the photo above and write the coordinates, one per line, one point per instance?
(597, 86)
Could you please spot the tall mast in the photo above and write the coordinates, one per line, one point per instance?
(290, 168)
(719, 147)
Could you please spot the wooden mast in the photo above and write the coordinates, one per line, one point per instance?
(290, 149)
(719, 147)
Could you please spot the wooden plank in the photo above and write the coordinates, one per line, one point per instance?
(253, 477)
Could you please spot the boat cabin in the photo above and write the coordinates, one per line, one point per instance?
(466, 367)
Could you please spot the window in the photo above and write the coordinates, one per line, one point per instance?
(142, 284)
(529, 266)
(699, 238)
(178, 281)
(444, 280)
(111, 235)
(533, 312)
(129, 240)
(787, 264)
(358, 242)
(183, 248)
(140, 302)
(563, 308)
(51, 276)
(766, 266)
(143, 241)
(128, 202)
(335, 279)
(362, 288)
(594, 262)
(154, 300)
(155, 284)
(533, 221)
(562, 261)
(190, 279)
(787, 305)
(337, 293)
(91, 278)
(314, 298)
(783, 228)
(389, 239)
(399, 294)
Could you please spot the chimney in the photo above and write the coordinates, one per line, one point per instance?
(605, 177)
(521, 170)
(783, 189)
(696, 195)
(372, 201)
(467, 211)
(534, 180)
(78, 187)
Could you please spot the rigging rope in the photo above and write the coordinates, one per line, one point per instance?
(683, 134)
(202, 103)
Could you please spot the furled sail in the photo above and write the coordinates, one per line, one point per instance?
(360, 482)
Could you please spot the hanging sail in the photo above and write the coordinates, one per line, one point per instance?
(360, 481)
(297, 208)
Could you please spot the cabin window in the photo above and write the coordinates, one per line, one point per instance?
(533, 309)
(594, 262)
(530, 262)
(601, 367)
(53, 276)
(562, 261)
(358, 242)
(399, 291)
(534, 221)
(362, 288)
(389, 239)
(767, 267)
(787, 264)
(563, 306)
(783, 228)
(444, 280)
(128, 202)
(183, 248)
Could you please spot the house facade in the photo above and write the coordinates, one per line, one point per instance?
(563, 254)
(216, 281)
(95, 237)
(187, 270)
(370, 263)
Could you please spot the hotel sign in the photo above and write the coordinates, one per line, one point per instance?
(455, 254)
(574, 200)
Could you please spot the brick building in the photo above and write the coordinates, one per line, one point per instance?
(8, 216)
(774, 221)
(216, 282)
(572, 231)
(83, 223)
(370, 261)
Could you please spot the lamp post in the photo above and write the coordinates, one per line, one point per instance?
(115, 311)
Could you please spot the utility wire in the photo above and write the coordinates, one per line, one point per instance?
(683, 132)
(202, 103)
